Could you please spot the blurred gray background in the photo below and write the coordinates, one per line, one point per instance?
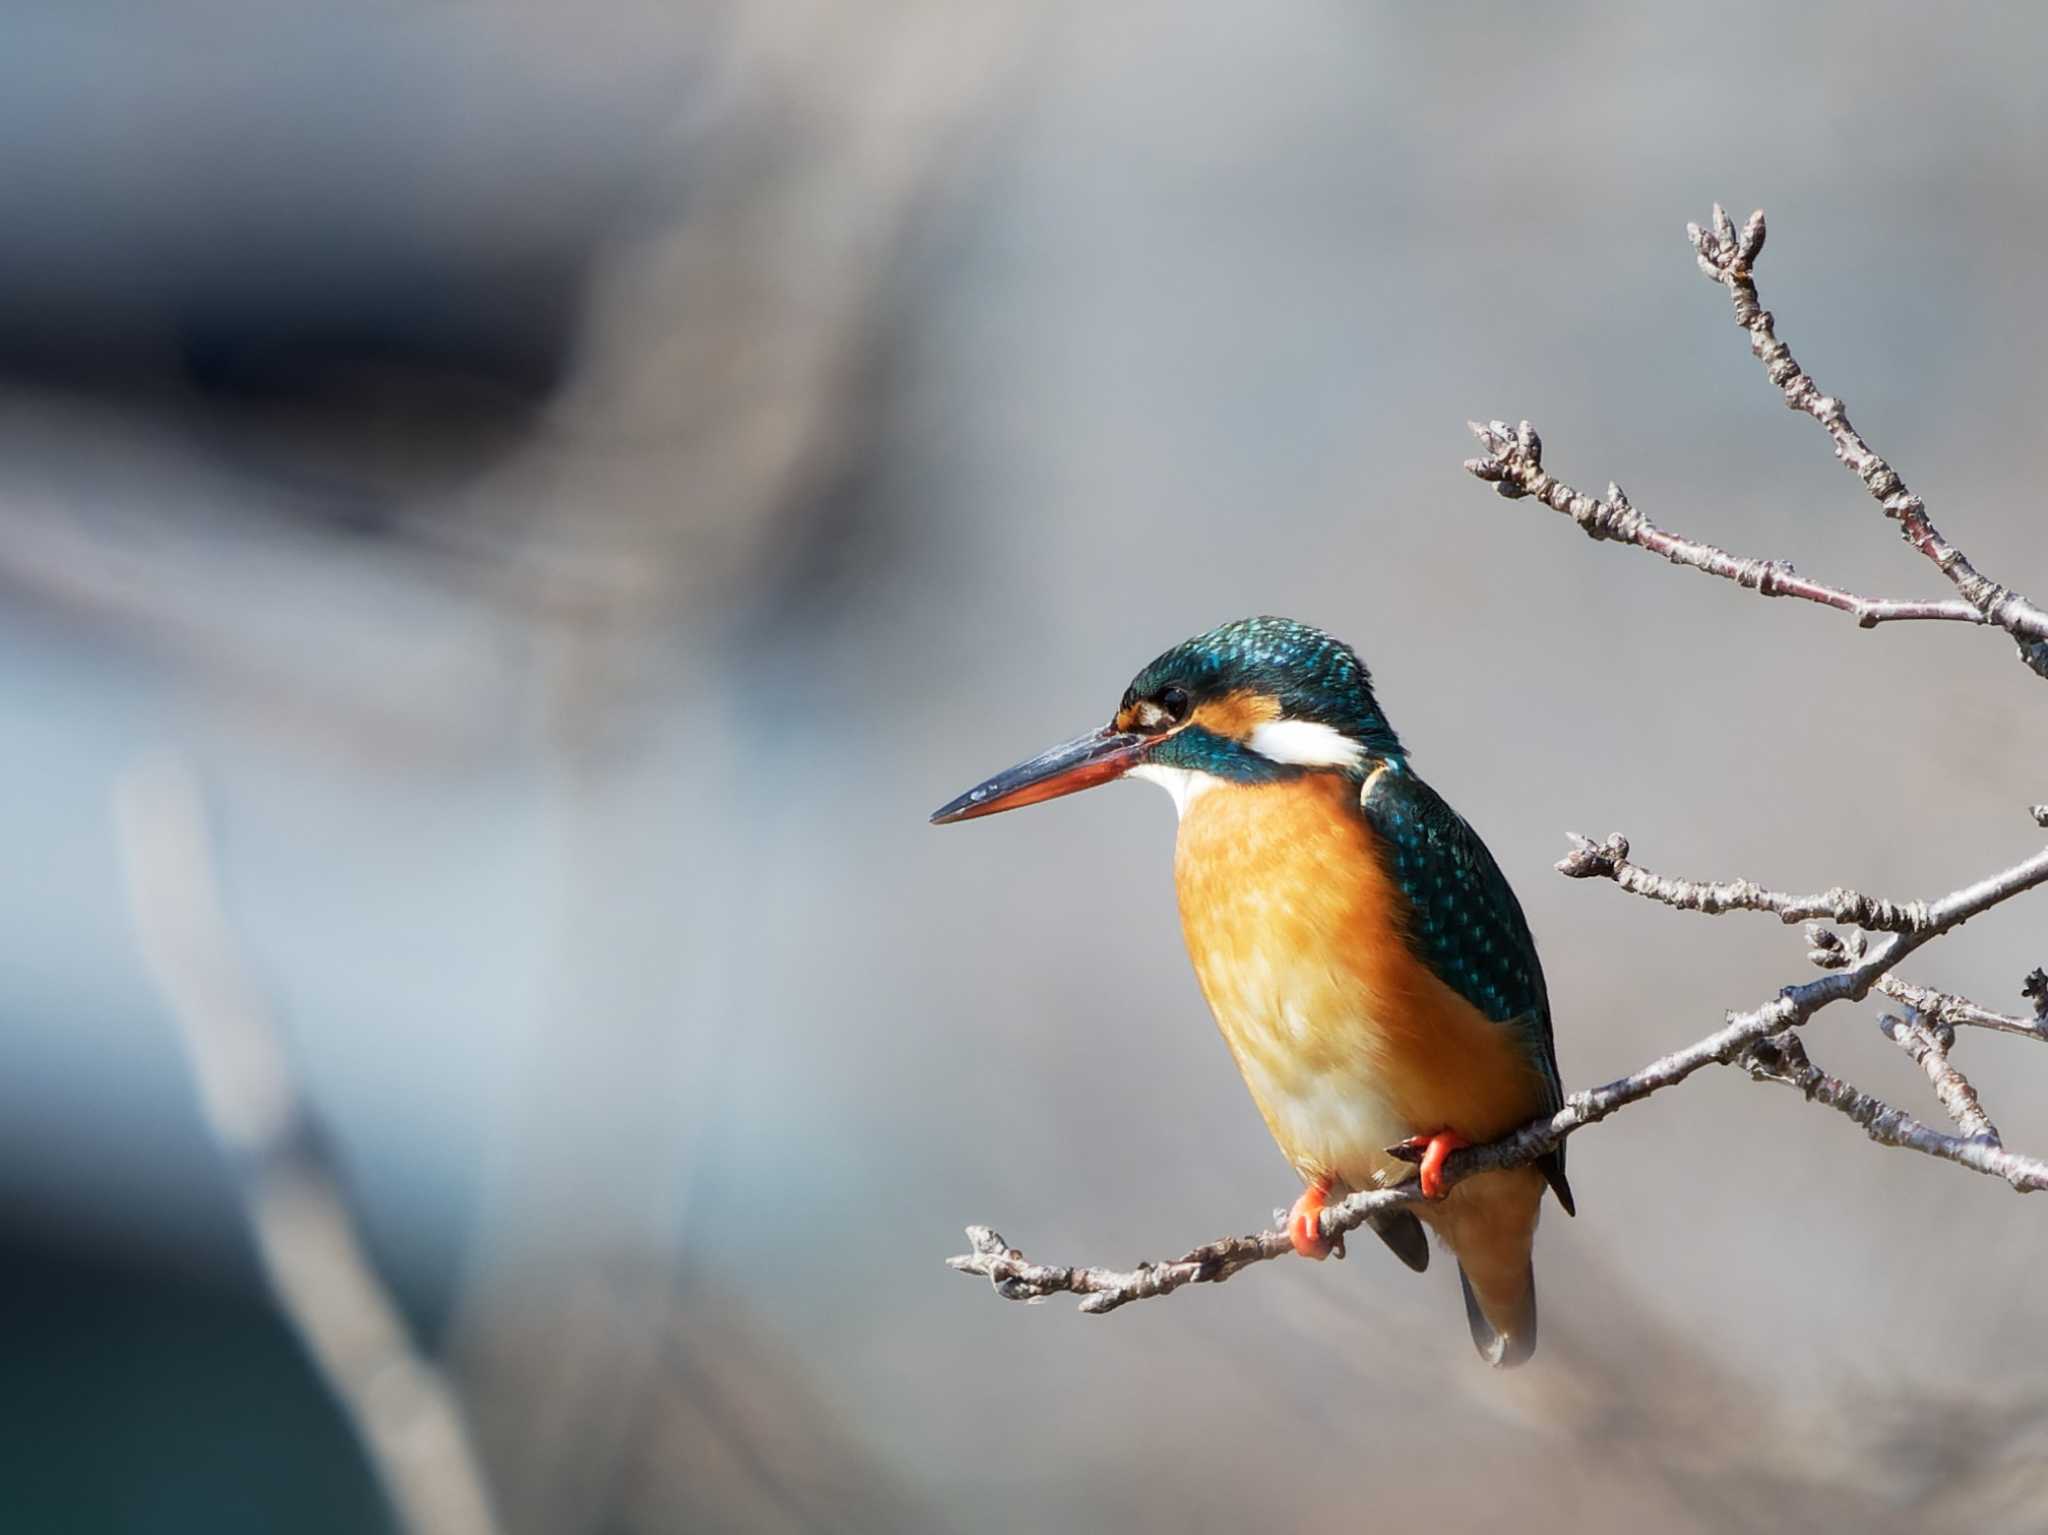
(580, 484)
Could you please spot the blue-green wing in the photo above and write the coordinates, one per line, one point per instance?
(1465, 921)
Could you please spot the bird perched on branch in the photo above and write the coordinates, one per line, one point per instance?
(1364, 956)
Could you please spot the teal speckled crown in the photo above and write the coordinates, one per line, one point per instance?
(1313, 676)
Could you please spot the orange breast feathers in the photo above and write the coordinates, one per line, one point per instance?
(1348, 1041)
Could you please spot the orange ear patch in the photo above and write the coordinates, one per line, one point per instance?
(1235, 715)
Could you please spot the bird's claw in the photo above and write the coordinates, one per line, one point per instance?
(1429, 1152)
(1304, 1223)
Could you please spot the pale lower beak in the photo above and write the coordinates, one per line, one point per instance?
(1099, 757)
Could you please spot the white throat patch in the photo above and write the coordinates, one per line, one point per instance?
(1184, 784)
(1305, 743)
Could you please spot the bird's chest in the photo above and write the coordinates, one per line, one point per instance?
(1293, 928)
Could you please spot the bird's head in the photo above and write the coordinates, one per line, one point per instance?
(1254, 701)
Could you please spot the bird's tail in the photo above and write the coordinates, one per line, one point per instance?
(1501, 1308)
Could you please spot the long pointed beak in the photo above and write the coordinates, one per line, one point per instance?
(1101, 756)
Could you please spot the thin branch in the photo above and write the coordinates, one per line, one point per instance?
(1946, 1007)
(1729, 257)
(1513, 465)
(399, 1404)
(1928, 1045)
(1609, 860)
(1017, 1278)
(1783, 1059)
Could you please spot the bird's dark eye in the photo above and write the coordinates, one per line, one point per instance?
(1174, 700)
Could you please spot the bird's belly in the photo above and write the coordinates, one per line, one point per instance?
(1332, 1120)
(1316, 1063)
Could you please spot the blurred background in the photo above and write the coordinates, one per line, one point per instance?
(573, 487)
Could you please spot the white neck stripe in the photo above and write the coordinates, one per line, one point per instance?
(1305, 743)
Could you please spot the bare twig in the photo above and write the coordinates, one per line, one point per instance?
(1609, 860)
(1015, 1278)
(399, 1404)
(1946, 1007)
(1925, 1037)
(1929, 1045)
(1783, 1059)
(1513, 465)
(1729, 257)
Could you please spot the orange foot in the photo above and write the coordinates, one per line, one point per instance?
(1434, 1149)
(1304, 1221)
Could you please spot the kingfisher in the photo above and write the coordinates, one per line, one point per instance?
(1365, 958)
